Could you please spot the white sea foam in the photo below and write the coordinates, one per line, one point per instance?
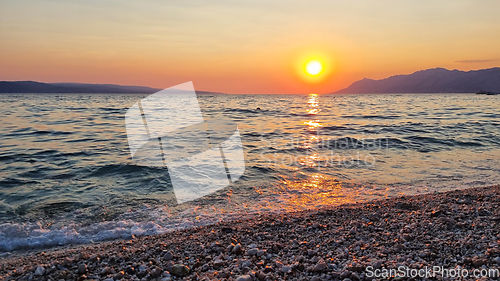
(14, 236)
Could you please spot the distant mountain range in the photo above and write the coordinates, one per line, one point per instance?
(38, 87)
(13, 87)
(436, 80)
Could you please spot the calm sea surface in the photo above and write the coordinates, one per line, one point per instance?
(66, 174)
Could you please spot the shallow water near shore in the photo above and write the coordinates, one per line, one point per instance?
(66, 175)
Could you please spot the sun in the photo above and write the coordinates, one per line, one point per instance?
(314, 67)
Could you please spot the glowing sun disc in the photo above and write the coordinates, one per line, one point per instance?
(314, 67)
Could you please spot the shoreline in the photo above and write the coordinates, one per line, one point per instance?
(449, 229)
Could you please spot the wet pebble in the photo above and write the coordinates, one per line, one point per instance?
(130, 270)
(237, 249)
(106, 271)
(252, 252)
(354, 276)
(345, 274)
(156, 272)
(119, 275)
(180, 270)
(168, 256)
(218, 262)
(320, 266)
(40, 271)
(244, 278)
(142, 268)
(82, 268)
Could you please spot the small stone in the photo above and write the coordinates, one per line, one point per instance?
(155, 273)
(260, 275)
(320, 266)
(261, 253)
(82, 256)
(252, 252)
(483, 213)
(497, 260)
(464, 201)
(40, 271)
(142, 271)
(180, 270)
(142, 268)
(335, 275)
(130, 270)
(356, 268)
(67, 261)
(82, 268)
(300, 267)
(315, 278)
(478, 262)
(218, 262)
(119, 275)
(345, 274)
(237, 249)
(286, 269)
(227, 230)
(106, 271)
(354, 277)
(168, 256)
(244, 278)
(246, 263)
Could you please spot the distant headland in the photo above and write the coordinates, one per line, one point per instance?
(436, 80)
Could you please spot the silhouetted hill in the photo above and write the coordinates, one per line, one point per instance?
(13, 87)
(37, 87)
(436, 80)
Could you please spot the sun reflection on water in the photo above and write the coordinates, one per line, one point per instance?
(313, 109)
(313, 105)
(315, 191)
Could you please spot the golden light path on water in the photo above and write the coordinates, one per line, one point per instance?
(317, 189)
(303, 190)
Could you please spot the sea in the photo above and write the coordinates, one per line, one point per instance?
(67, 176)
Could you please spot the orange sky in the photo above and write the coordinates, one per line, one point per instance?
(242, 46)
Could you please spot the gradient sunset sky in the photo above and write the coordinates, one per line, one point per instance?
(248, 46)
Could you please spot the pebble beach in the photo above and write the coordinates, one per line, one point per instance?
(455, 229)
